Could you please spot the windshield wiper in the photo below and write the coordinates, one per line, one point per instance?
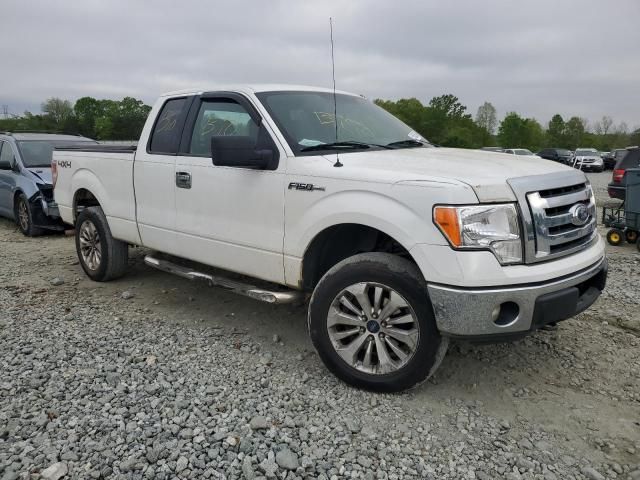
(347, 145)
(405, 144)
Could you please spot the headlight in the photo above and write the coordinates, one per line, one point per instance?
(486, 227)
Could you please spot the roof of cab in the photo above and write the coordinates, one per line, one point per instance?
(253, 88)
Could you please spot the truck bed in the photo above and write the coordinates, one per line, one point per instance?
(107, 172)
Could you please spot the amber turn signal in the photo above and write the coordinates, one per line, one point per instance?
(446, 218)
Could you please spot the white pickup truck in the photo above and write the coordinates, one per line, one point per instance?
(399, 244)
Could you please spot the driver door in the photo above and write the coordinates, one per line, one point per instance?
(228, 217)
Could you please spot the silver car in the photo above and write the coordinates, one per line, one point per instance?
(588, 160)
(26, 190)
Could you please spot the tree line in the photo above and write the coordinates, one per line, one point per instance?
(93, 118)
(446, 122)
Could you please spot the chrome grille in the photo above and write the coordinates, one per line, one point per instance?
(550, 205)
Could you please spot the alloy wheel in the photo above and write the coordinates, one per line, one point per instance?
(373, 328)
(23, 215)
(90, 247)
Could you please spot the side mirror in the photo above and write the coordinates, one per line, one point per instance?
(239, 151)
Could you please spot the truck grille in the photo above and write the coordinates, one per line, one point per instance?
(559, 219)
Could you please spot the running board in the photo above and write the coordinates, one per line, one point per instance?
(248, 290)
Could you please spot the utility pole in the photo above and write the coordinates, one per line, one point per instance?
(5, 111)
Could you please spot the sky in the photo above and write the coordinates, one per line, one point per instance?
(538, 58)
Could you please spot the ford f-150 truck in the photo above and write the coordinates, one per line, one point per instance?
(397, 244)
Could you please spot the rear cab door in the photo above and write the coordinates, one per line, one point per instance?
(154, 173)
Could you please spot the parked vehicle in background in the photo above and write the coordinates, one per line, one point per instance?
(26, 190)
(609, 160)
(492, 149)
(399, 245)
(627, 158)
(561, 155)
(588, 160)
(520, 151)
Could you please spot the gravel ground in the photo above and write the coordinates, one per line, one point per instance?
(155, 377)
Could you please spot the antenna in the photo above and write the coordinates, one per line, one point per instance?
(335, 103)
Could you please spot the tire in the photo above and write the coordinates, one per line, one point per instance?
(378, 277)
(631, 236)
(615, 237)
(101, 256)
(24, 217)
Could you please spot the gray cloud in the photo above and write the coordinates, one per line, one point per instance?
(574, 57)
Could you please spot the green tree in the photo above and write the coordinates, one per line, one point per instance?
(450, 105)
(575, 130)
(87, 110)
(518, 132)
(555, 132)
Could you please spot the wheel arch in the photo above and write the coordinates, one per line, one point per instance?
(16, 194)
(337, 242)
(83, 198)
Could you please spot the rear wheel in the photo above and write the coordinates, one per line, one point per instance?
(24, 217)
(101, 256)
(615, 237)
(631, 236)
(372, 324)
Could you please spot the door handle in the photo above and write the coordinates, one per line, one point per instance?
(183, 180)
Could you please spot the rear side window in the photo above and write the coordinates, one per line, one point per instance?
(165, 137)
(6, 155)
(630, 160)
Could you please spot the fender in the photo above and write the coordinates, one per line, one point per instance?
(85, 179)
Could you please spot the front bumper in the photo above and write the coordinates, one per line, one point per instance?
(506, 312)
(45, 214)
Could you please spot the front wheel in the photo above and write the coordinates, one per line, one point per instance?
(101, 256)
(371, 321)
(24, 217)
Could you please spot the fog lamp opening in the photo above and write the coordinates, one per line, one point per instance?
(505, 314)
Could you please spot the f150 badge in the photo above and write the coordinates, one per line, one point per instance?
(309, 187)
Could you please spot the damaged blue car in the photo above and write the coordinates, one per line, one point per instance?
(26, 187)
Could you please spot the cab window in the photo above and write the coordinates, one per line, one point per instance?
(220, 117)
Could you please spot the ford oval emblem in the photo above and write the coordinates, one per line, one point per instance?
(579, 214)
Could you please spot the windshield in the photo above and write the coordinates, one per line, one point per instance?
(307, 121)
(586, 153)
(523, 151)
(37, 153)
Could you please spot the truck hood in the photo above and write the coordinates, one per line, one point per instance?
(41, 174)
(486, 172)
